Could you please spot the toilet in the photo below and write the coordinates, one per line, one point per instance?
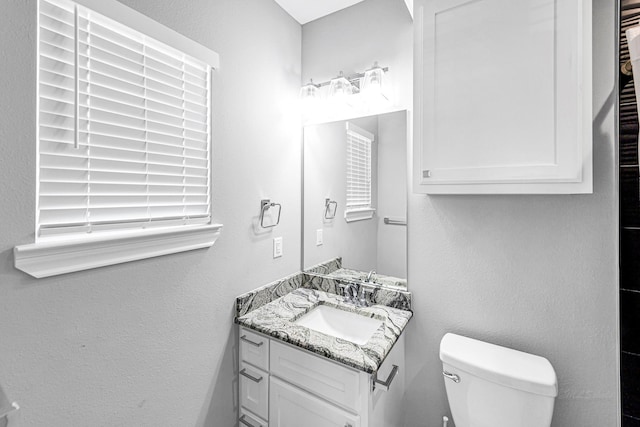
(492, 386)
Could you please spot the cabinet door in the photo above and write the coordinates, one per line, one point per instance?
(290, 406)
(385, 405)
(503, 96)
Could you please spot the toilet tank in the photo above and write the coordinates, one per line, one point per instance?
(492, 386)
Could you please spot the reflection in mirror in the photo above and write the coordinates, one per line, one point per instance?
(355, 199)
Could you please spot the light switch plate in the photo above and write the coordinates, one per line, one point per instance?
(277, 247)
(319, 240)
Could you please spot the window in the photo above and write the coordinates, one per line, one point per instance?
(124, 129)
(359, 201)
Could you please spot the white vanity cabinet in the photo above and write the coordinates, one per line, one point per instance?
(502, 97)
(285, 386)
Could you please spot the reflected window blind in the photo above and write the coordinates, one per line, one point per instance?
(124, 127)
(358, 170)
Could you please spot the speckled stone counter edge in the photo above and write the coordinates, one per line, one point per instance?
(277, 320)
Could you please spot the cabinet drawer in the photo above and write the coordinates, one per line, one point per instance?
(254, 390)
(321, 377)
(247, 419)
(292, 407)
(254, 349)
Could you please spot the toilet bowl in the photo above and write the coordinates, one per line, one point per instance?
(492, 386)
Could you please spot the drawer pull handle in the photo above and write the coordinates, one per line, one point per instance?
(247, 340)
(247, 423)
(244, 373)
(384, 385)
(452, 377)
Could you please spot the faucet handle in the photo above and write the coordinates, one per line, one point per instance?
(363, 291)
(343, 287)
(349, 291)
(366, 288)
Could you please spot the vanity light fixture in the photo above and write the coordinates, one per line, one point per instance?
(371, 80)
(345, 95)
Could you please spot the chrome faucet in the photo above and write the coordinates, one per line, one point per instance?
(371, 277)
(355, 293)
(350, 292)
(362, 300)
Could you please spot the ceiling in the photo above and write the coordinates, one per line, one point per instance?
(305, 11)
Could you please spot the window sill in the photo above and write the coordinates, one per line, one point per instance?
(359, 214)
(60, 257)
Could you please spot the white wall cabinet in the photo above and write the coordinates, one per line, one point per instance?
(284, 386)
(503, 97)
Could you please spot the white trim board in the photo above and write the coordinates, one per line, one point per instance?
(54, 258)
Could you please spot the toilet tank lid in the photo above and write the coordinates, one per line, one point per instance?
(501, 365)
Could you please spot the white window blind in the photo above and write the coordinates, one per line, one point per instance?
(358, 168)
(124, 127)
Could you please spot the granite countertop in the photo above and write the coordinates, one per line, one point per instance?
(276, 319)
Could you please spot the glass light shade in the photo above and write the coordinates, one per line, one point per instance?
(310, 90)
(310, 97)
(340, 87)
(373, 82)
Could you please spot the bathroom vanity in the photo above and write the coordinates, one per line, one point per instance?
(281, 385)
(297, 367)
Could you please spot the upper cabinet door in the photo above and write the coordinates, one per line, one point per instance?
(503, 97)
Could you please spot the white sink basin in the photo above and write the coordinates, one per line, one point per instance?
(340, 323)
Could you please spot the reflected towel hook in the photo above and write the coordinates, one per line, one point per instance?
(265, 205)
(330, 213)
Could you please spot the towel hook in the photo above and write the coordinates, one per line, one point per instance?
(330, 213)
(265, 205)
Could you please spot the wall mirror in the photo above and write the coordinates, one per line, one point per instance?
(355, 199)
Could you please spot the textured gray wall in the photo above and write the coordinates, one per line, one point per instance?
(537, 273)
(150, 343)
